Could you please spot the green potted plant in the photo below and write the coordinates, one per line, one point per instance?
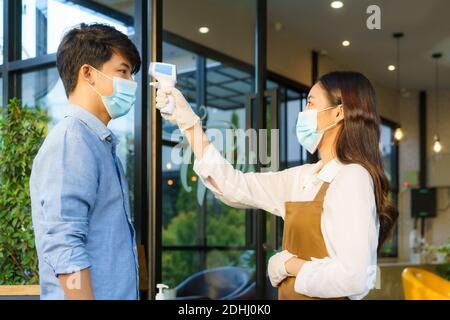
(442, 252)
(22, 130)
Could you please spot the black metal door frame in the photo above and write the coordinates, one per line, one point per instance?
(257, 218)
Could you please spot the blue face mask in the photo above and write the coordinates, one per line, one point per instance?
(122, 99)
(306, 129)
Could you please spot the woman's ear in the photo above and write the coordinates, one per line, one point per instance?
(340, 113)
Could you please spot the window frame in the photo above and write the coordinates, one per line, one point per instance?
(393, 188)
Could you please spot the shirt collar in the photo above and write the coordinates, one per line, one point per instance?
(328, 172)
(92, 122)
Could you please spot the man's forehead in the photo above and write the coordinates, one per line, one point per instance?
(119, 59)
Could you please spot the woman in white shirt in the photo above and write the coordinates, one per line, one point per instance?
(336, 211)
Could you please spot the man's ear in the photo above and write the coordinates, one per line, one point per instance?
(87, 74)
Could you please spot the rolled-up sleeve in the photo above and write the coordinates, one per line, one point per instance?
(263, 190)
(69, 181)
(349, 223)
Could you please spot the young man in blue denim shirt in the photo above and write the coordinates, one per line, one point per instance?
(84, 235)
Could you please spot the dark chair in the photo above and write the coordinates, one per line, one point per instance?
(249, 292)
(217, 284)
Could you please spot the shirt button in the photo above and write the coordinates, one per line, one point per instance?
(108, 138)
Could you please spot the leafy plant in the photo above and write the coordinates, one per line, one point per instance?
(443, 270)
(445, 248)
(22, 130)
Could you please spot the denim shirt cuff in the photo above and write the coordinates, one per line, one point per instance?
(73, 260)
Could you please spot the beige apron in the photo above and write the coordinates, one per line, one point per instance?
(302, 236)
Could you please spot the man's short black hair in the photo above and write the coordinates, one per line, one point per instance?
(92, 44)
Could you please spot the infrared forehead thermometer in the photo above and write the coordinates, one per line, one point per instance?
(166, 75)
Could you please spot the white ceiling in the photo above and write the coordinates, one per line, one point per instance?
(125, 6)
(425, 23)
(313, 24)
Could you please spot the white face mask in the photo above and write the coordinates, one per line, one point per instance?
(123, 97)
(306, 129)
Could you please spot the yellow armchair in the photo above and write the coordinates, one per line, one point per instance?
(420, 284)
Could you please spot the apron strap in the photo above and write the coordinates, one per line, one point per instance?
(320, 196)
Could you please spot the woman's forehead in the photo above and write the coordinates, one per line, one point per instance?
(316, 92)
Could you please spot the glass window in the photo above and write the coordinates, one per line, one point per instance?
(1, 32)
(227, 91)
(180, 208)
(224, 225)
(179, 199)
(389, 151)
(292, 103)
(46, 21)
(45, 89)
(237, 258)
(293, 107)
(178, 265)
(192, 216)
(186, 63)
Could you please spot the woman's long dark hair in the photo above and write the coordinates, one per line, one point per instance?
(358, 139)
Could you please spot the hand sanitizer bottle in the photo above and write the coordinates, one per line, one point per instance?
(160, 295)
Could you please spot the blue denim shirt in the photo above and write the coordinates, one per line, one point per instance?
(81, 211)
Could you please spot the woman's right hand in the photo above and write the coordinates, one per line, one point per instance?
(276, 267)
(182, 115)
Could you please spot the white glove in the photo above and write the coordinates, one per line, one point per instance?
(277, 269)
(182, 115)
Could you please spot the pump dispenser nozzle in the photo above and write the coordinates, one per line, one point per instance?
(160, 295)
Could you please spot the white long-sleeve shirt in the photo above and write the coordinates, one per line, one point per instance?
(349, 221)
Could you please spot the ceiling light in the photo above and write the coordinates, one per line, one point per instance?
(397, 36)
(278, 26)
(437, 146)
(398, 134)
(203, 30)
(345, 43)
(337, 4)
